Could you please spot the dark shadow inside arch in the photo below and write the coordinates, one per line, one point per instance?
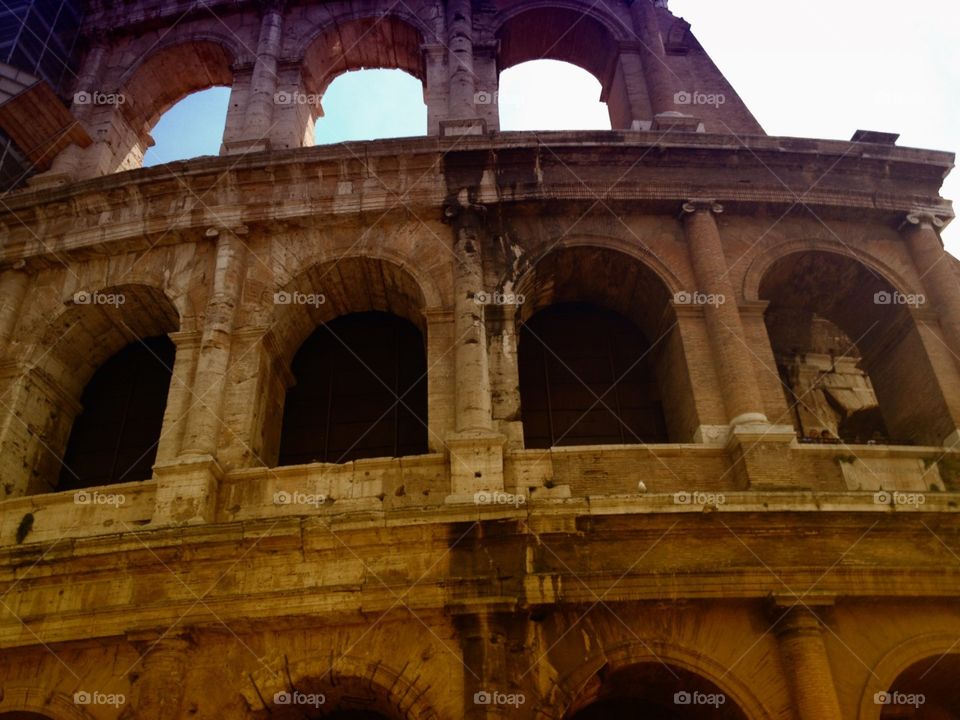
(114, 438)
(587, 378)
(23, 715)
(655, 691)
(360, 391)
(851, 360)
(334, 697)
(927, 690)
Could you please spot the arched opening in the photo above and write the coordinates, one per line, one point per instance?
(191, 128)
(654, 691)
(587, 378)
(600, 361)
(569, 36)
(114, 438)
(77, 344)
(345, 698)
(352, 103)
(360, 391)
(23, 715)
(152, 90)
(851, 360)
(927, 690)
(374, 43)
(530, 98)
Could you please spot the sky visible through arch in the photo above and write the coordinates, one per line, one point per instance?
(819, 69)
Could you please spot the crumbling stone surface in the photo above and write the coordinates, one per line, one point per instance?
(482, 578)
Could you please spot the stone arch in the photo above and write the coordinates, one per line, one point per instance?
(385, 284)
(633, 250)
(659, 397)
(825, 303)
(762, 262)
(201, 63)
(599, 24)
(331, 288)
(41, 702)
(898, 659)
(389, 691)
(93, 326)
(569, 32)
(642, 273)
(362, 41)
(101, 328)
(427, 285)
(572, 687)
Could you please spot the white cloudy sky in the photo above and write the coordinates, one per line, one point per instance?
(818, 68)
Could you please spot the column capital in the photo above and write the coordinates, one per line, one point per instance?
(923, 217)
(694, 205)
(435, 51)
(799, 617)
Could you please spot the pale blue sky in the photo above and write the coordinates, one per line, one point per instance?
(820, 68)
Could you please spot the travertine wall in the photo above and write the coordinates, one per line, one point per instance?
(399, 592)
(279, 57)
(483, 579)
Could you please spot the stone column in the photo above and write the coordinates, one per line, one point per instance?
(473, 412)
(486, 83)
(88, 80)
(435, 86)
(187, 486)
(627, 96)
(13, 288)
(180, 397)
(261, 99)
(476, 451)
(67, 164)
(806, 665)
(661, 80)
(735, 369)
(295, 112)
(158, 692)
(462, 82)
(935, 267)
(441, 380)
(204, 418)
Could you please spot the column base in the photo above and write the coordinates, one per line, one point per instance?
(761, 455)
(476, 464)
(712, 435)
(187, 491)
(242, 147)
(458, 128)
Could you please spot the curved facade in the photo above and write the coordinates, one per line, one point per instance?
(685, 444)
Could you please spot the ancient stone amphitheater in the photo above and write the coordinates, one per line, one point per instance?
(656, 422)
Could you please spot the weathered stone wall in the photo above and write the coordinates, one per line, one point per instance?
(796, 579)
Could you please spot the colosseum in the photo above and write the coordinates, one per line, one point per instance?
(660, 422)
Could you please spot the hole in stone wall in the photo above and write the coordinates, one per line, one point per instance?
(586, 378)
(114, 439)
(655, 691)
(851, 359)
(927, 690)
(551, 95)
(371, 104)
(360, 391)
(193, 127)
